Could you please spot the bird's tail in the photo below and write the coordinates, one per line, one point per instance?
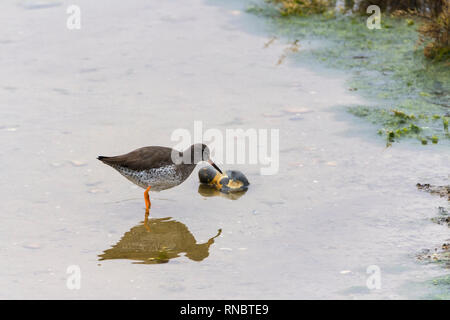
(110, 161)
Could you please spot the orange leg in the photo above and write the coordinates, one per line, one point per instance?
(148, 204)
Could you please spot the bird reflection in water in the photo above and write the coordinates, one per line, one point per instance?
(158, 241)
(209, 191)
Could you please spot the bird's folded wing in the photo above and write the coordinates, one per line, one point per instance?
(142, 158)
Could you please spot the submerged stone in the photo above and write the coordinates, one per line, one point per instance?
(443, 191)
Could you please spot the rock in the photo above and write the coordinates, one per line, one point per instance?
(443, 217)
(296, 164)
(96, 191)
(440, 255)
(296, 118)
(272, 115)
(78, 163)
(93, 184)
(443, 191)
(56, 164)
(297, 111)
(32, 246)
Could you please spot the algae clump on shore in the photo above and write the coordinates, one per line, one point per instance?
(397, 124)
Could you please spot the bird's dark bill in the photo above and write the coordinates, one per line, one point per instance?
(214, 165)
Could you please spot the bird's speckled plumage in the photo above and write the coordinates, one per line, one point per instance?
(161, 178)
(151, 166)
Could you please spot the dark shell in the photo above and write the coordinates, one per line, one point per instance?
(207, 175)
(238, 176)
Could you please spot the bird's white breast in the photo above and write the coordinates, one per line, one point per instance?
(158, 178)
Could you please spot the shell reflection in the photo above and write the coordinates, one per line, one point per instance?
(210, 191)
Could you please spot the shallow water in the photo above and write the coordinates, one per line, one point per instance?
(136, 71)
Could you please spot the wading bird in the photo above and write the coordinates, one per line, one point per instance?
(159, 168)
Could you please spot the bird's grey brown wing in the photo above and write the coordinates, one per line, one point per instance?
(142, 158)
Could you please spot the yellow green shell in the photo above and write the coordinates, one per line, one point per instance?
(230, 181)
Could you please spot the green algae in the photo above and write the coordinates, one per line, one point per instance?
(440, 255)
(436, 288)
(398, 124)
(440, 287)
(386, 66)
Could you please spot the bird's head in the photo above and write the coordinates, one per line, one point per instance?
(200, 152)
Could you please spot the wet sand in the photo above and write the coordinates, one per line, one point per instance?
(136, 71)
